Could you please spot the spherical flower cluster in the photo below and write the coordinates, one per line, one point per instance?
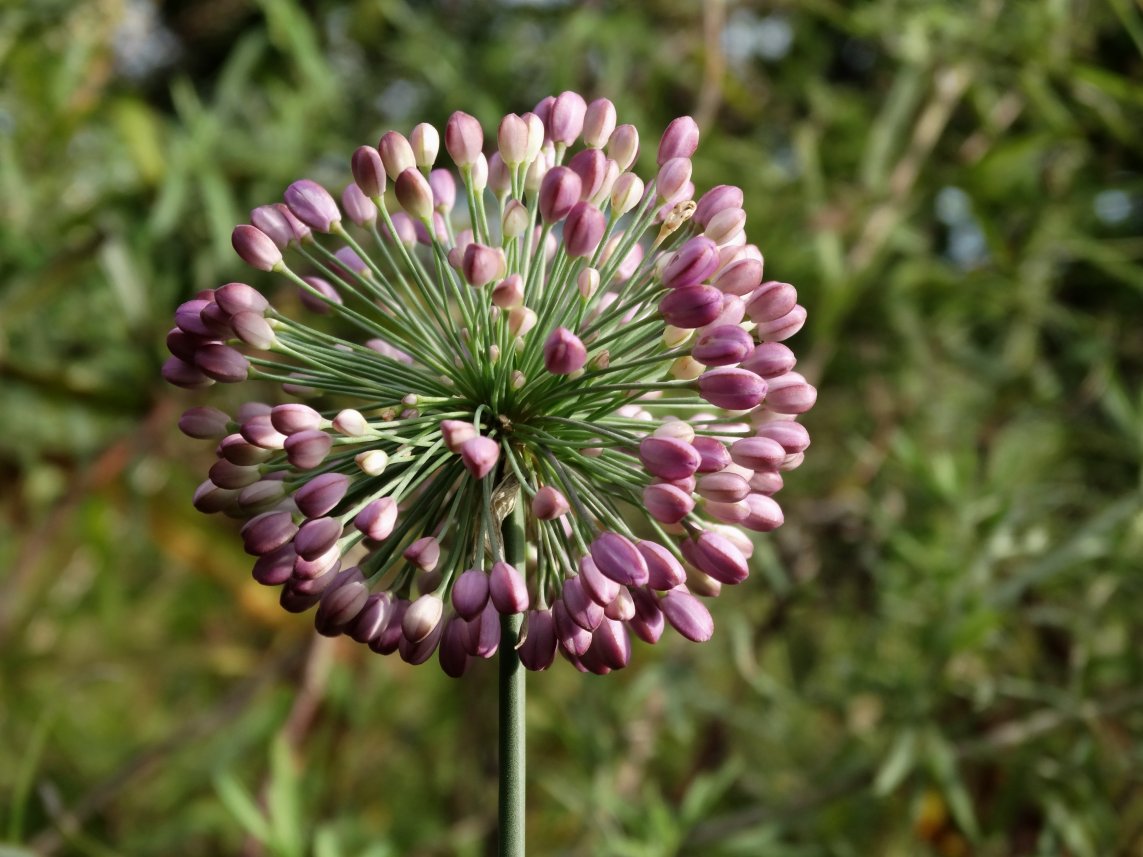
(549, 330)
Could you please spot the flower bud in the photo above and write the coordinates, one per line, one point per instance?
(360, 208)
(712, 452)
(372, 619)
(771, 301)
(626, 193)
(509, 292)
(691, 306)
(239, 297)
(647, 623)
(695, 261)
(563, 352)
(538, 648)
(521, 320)
(422, 618)
(368, 171)
(237, 450)
(667, 503)
(204, 423)
(499, 178)
(789, 394)
(679, 140)
(739, 278)
(764, 513)
(351, 423)
(320, 495)
(272, 221)
(456, 432)
(663, 570)
(266, 532)
(770, 359)
(600, 588)
(791, 435)
(623, 146)
(591, 167)
(415, 195)
(668, 458)
(549, 504)
(573, 638)
(294, 417)
(718, 198)
(559, 192)
(619, 560)
(480, 455)
(386, 642)
(312, 205)
(678, 429)
(464, 139)
(377, 519)
(723, 487)
(733, 389)
(396, 154)
(451, 654)
(583, 230)
(587, 282)
(673, 178)
(307, 449)
(598, 123)
(424, 553)
(317, 536)
(443, 186)
(723, 346)
(227, 474)
(507, 589)
(512, 140)
(757, 453)
(221, 363)
(341, 602)
(478, 174)
(372, 462)
(482, 265)
(470, 593)
(425, 143)
(566, 118)
(581, 608)
(687, 615)
(255, 248)
(726, 226)
(783, 327)
(313, 302)
(404, 229)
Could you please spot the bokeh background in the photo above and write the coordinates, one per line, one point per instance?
(939, 654)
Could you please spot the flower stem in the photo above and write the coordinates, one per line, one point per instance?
(512, 704)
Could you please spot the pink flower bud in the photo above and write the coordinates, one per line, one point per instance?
(788, 394)
(512, 140)
(673, 178)
(695, 261)
(415, 195)
(341, 602)
(770, 359)
(619, 560)
(610, 644)
(396, 154)
(404, 227)
(377, 519)
(587, 282)
(566, 118)
(771, 301)
(209, 498)
(373, 618)
(424, 553)
(308, 569)
(272, 221)
(563, 352)
(549, 504)
(307, 449)
(422, 618)
(687, 615)
(623, 147)
(515, 221)
(765, 514)
(470, 593)
(386, 642)
(425, 143)
(204, 423)
(733, 389)
(312, 205)
(663, 570)
(321, 494)
(478, 174)
(718, 198)
(266, 532)
(481, 264)
(509, 292)
(784, 327)
(451, 654)
(368, 171)
(600, 588)
(317, 536)
(723, 346)
(723, 487)
(678, 429)
(314, 303)
(221, 363)
(598, 123)
(791, 435)
(360, 208)
(499, 178)
(239, 297)
(647, 623)
(581, 608)
(766, 482)
(227, 474)
(456, 432)
(255, 248)
(667, 503)
(573, 638)
(757, 453)
(443, 186)
(583, 230)
(274, 568)
(258, 430)
(480, 455)
(679, 140)
(668, 458)
(235, 449)
(521, 320)
(591, 167)
(294, 417)
(739, 278)
(538, 649)
(691, 307)
(626, 193)
(507, 589)
(464, 139)
(351, 423)
(559, 192)
(713, 455)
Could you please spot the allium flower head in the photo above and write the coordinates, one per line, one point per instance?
(568, 339)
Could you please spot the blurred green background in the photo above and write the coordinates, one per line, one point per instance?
(939, 654)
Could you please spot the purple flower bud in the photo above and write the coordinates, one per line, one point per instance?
(294, 601)
(464, 139)
(538, 649)
(712, 452)
(377, 519)
(274, 568)
(563, 352)
(789, 394)
(204, 423)
(766, 482)
(189, 319)
(368, 171)
(726, 226)
(566, 118)
(307, 449)
(509, 292)
(314, 303)
(183, 345)
(341, 602)
(770, 359)
(451, 654)
(404, 227)
(222, 363)
(268, 531)
(791, 435)
(680, 140)
(396, 154)
(259, 431)
(482, 264)
(733, 389)
(373, 618)
(723, 346)
(691, 307)
(668, 457)
(600, 588)
(757, 453)
(739, 278)
(667, 503)
(583, 230)
(307, 569)
(723, 487)
(237, 450)
(294, 417)
(272, 220)
(360, 208)
(622, 608)
(317, 536)
(235, 298)
(253, 329)
(425, 142)
(507, 589)
(695, 261)
(480, 455)
(591, 167)
(716, 199)
(470, 593)
(674, 177)
(483, 637)
(623, 147)
(424, 553)
(443, 186)
(456, 432)
(387, 641)
(765, 514)
(617, 558)
(784, 327)
(415, 194)
(512, 140)
(663, 570)
(255, 248)
(647, 623)
(209, 498)
(581, 609)
(559, 192)
(771, 301)
(312, 205)
(549, 504)
(418, 653)
(626, 193)
(598, 123)
(687, 615)
(521, 319)
(572, 637)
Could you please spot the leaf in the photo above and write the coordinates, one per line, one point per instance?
(242, 806)
(899, 762)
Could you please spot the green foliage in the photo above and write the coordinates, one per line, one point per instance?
(936, 655)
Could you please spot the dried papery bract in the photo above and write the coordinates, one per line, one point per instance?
(533, 328)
